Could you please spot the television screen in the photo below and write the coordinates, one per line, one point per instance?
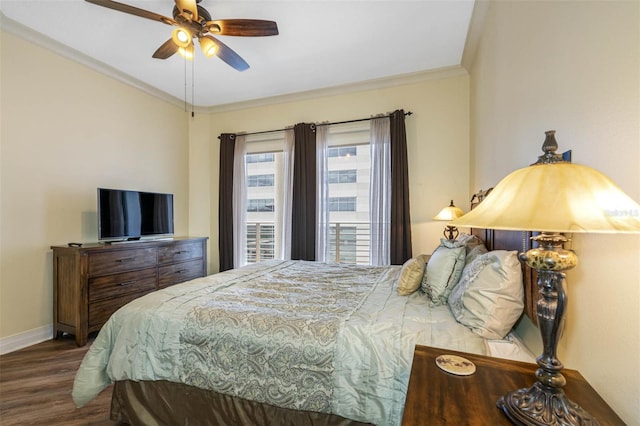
(124, 214)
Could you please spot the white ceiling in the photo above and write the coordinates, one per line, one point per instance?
(322, 44)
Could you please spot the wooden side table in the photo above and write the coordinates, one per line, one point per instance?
(435, 397)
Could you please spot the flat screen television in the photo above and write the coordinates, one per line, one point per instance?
(130, 215)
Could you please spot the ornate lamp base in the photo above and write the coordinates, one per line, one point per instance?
(540, 405)
(545, 403)
(451, 232)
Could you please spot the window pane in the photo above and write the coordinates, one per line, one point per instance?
(260, 242)
(260, 180)
(348, 176)
(260, 205)
(268, 157)
(264, 198)
(342, 176)
(342, 151)
(349, 243)
(342, 204)
(267, 242)
(251, 243)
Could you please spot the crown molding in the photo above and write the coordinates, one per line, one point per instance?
(9, 25)
(375, 84)
(42, 40)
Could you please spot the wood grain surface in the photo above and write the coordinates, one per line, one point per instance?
(438, 398)
(36, 383)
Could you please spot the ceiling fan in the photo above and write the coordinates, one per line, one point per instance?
(194, 22)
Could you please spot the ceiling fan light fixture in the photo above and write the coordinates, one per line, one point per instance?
(209, 47)
(191, 20)
(181, 37)
(186, 52)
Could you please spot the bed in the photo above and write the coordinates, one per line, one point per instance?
(296, 342)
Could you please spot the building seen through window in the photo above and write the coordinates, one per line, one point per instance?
(348, 178)
(260, 180)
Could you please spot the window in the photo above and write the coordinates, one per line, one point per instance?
(342, 176)
(342, 204)
(268, 157)
(342, 151)
(260, 205)
(348, 174)
(264, 166)
(260, 180)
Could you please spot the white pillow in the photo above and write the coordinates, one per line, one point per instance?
(489, 298)
(442, 273)
(411, 275)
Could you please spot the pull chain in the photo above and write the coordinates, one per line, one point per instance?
(193, 82)
(185, 83)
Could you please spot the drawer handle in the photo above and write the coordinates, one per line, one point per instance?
(126, 259)
(181, 271)
(182, 252)
(125, 283)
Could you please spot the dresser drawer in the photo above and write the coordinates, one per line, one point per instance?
(179, 252)
(112, 262)
(113, 285)
(180, 272)
(99, 312)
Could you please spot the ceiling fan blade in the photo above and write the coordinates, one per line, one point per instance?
(167, 49)
(132, 10)
(189, 7)
(228, 55)
(242, 27)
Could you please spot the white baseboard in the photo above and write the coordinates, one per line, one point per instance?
(28, 338)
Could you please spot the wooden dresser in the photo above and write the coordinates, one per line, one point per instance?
(92, 281)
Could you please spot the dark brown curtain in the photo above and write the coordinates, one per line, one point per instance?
(303, 218)
(225, 208)
(400, 218)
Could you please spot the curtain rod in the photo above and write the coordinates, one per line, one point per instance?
(321, 124)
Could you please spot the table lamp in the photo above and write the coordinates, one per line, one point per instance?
(449, 213)
(552, 196)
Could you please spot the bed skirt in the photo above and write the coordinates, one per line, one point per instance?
(168, 403)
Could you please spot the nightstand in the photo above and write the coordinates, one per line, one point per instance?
(438, 398)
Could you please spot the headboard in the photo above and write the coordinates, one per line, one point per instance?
(520, 241)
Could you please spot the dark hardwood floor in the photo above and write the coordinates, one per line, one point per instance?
(36, 382)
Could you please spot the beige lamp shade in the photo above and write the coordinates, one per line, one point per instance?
(556, 197)
(449, 213)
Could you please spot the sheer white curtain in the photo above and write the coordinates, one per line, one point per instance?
(239, 203)
(380, 192)
(322, 203)
(284, 212)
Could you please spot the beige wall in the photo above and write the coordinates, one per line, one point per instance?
(574, 67)
(67, 130)
(571, 66)
(437, 139)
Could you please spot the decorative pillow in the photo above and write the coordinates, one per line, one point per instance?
(469, 240)
(411, 275)
(489, 298)
(442, 273)
(472, 244)
(475, 252)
